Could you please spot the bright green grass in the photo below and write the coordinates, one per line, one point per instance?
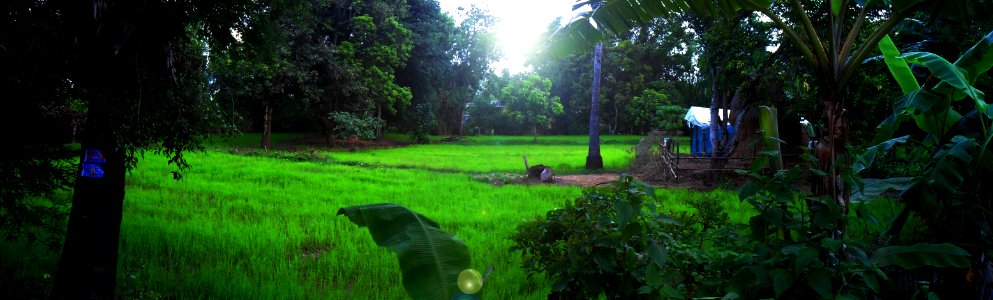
(565, 154)
(250, 227)
(520, 139)
(243, 227)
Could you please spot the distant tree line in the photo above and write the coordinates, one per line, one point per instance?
(406, 63)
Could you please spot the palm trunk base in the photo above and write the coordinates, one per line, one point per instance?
(594, 162)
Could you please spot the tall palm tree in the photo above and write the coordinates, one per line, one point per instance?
(594, 160)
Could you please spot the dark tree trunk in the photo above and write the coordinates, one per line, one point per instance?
(88, 266)
(267, 127)
(462, 119)
(836, 140)
(714, 124)
(593, 160)
(328, 140)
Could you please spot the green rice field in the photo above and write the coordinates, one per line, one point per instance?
(486, 154)
(252, 227)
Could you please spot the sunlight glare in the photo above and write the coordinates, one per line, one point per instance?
(519, 25)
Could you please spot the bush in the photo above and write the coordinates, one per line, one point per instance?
(347, 124)
(614, 242)
(424, 121)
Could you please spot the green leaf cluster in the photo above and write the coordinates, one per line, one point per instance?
(347, 124)
(529, 101)
(800, 249)
(616, 242)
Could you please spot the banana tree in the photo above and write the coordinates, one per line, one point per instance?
(833, 55)
(949, 193)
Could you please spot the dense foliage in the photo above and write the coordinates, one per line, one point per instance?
(618, 242)
(529, 102)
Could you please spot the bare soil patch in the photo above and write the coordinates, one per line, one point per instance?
(691, 179)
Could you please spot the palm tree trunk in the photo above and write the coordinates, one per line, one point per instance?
(593, 159)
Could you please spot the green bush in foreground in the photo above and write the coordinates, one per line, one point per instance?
(614, 242)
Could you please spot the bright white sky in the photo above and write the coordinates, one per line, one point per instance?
(519, 23)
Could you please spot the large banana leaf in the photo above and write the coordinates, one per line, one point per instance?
(880, 150)
(919, 255)
(953, 164)
(978, 59)
(948, 73)
(871, 189)
(430, 259)
(898, 67)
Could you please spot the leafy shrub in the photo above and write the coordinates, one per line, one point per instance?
(669, 118)
(347, 124)
(614, 242)
(424, 122)
(803, 247)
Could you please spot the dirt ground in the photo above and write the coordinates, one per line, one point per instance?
(692, 179)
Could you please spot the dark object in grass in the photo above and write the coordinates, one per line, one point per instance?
(540, 173)
(455, 138)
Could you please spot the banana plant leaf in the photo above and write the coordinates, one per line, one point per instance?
(898, 67)
(874, 188)
(430, 259)
(880, 150)
(919, 255)
(949, 74)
